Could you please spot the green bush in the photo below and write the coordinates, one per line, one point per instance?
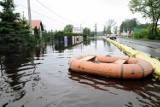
(158, 37)
(144, 33)
(136, 35)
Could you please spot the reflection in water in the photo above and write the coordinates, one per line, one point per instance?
(60, 47)
(148, 91)
(96, 81)
(40, 78)
(17, 68)
(84, 79)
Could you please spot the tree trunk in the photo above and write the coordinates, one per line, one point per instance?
(152, 31)
(156, 24)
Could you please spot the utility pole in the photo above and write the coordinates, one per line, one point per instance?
(29, 15)
(95, 29)
(23, 15)
(81, 28)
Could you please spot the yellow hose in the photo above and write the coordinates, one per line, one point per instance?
(137, 54)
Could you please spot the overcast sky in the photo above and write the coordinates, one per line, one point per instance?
(59, 13)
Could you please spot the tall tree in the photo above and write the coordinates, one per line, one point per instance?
(68, 28)
(8, 18)
(122, 26)
(86, 32)
(13, 29)
(115, 29)
(109, 25)
(149, 9)
(104, 30)
(95, 29)
(24, 32)
(108, 30)
(37, 35)
(128, 25)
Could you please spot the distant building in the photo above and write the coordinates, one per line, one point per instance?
(39, 25)
(77, 30)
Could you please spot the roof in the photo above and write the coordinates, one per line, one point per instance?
(37, 23)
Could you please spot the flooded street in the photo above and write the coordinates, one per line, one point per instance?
(41, 78)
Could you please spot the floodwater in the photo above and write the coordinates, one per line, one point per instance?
(41, 78)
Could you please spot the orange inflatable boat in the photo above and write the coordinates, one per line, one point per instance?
(116, 67)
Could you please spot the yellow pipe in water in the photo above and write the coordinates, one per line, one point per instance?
(137, 54)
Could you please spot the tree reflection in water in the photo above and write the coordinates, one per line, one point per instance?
(144, 88)
(17, 69)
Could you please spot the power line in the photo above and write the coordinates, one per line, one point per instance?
(41, 14)
(53, 11)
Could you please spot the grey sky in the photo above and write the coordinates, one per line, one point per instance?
(76, 12)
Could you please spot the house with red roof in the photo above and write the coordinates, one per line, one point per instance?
(39, 25)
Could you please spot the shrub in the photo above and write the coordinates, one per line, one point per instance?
(136, 35)
(144, 33)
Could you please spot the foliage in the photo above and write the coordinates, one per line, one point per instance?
(62, 33)
(158, 38)
(108, 26)
(150, 9)
(145, 26)
(58, 34)
(144, 33)
(37, 35)
(104, 30)
(14, 31)
(86, 32)
(152, 35)
(95, 30)
(48, 36)
(128, 25)
(115, 29)
(108, 30)
(68, 28)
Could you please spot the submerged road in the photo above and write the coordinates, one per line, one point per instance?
(40, 78)
(148, 47)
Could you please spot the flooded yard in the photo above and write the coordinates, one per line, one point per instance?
(41, 78)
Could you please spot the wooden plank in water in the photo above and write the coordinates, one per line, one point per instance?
(87, 58)
(120, 61)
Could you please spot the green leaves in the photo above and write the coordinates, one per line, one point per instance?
(128, 24)
(14, 31)
(108, 26)
(86, 32)
(68, 28)
(149, 9)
